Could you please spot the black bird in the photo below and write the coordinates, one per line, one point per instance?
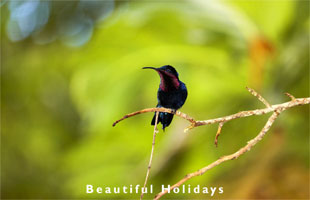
(172, 93)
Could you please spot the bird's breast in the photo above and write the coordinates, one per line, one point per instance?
(172, 99)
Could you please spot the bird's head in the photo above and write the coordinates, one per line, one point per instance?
(169, 77)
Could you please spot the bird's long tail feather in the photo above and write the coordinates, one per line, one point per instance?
(164, 118)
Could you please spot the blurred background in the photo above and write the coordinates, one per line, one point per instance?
(71, 68)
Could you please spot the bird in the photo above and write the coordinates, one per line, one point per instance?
(172, 93)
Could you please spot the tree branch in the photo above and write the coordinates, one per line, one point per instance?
(254, 93)
(233, 156)
(282, 106)
(194, 123)
(152, 153)
(276, 109)
(167, 110)
(221, 124)
(290, 96)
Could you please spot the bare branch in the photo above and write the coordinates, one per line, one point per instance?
(221, 124)
(290, 96)
(167, 110)
(254, 93)
(296, 102)
(233, 156)
(152, 153)
(276, 109)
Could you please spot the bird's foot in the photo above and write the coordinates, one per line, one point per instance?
(173, 111)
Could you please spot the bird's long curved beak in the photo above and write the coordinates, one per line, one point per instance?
(150, 68)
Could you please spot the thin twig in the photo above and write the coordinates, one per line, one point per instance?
(233, 156)
(221, 124)
(290, 96)
(167, 110)
(152, 153)
(254, 93)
